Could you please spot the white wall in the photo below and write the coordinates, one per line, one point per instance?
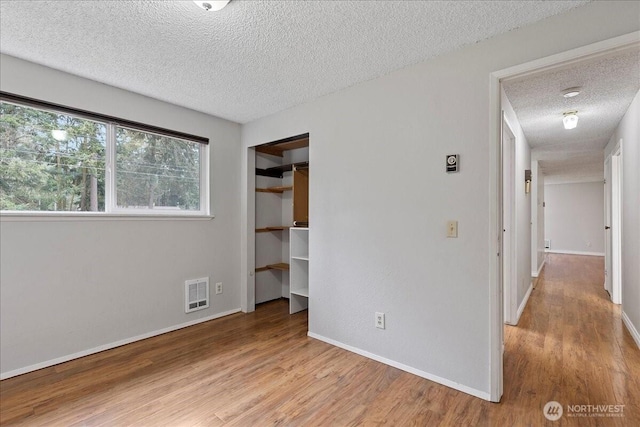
(537, 218)
(522, 205)
(629, 132)
(68, 286)
(380, 200)
(574, 217)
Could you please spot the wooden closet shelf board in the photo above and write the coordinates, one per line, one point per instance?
(279, 147)
(274, 189)
(283, 266)
(266, 229)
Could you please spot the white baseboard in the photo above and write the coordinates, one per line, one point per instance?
(523, 304)
(414, 371)
(537, 273)
(562, 251)
(46, 364)
(632, 329)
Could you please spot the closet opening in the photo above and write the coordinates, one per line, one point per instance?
(282, 222)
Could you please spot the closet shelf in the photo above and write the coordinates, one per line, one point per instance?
(303, 292)
(274, 189)
(278, 266)
(267, 229)
(278, 148)
(278, 171)
(299, 275)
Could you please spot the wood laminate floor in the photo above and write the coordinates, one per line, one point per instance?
(261, 369)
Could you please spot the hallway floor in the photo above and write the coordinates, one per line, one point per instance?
(571, 346)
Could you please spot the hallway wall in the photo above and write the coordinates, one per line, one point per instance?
(574, 218)
(537, 218)
(522, 205)
(628, 132)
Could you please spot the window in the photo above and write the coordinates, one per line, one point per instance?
(154, 171)
(52, 160)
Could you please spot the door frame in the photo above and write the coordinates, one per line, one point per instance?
(607, 226)
(495, 129)
(613, 224)
(247, 232)
(509, 222)
(616, 224)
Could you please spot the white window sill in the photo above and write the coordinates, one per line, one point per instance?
(98, 216)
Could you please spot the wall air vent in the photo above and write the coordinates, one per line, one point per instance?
(196, 294)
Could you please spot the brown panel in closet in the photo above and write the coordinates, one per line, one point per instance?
(301, 195)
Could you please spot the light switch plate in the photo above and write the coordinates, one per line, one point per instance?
(452, 229)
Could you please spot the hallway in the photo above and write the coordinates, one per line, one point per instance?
(571, 346)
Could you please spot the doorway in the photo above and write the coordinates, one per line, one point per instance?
(497, 268)
(277, 206)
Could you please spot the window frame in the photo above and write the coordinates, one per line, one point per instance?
(111, 123)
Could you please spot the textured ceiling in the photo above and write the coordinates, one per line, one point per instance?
(253, 58)
(608, 85)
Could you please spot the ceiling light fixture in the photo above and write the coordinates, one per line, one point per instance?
(214, 5)
(570, 119)
(571, 92)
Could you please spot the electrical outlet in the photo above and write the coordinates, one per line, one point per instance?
(380, 320)
(218, 288)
